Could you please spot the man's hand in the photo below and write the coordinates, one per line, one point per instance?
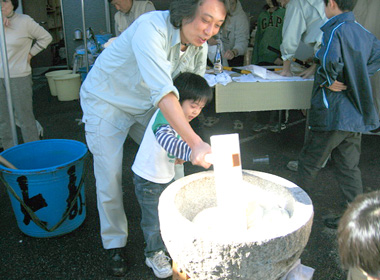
(229, 55)
(198, 153)
(6, 21)
(286, 73)
(309, 71)
(337, 86)
(286, 69)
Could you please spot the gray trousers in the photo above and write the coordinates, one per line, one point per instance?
(22, 101)
(345, 149)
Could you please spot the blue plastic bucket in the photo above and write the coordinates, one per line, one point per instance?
(46, 191)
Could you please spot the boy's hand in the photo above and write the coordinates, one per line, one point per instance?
(337, 86)
(198, 154)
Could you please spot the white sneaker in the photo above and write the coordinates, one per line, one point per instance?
(160, 263)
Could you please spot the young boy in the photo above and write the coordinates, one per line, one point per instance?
(342, 105)
(160, 150)
(359, 237)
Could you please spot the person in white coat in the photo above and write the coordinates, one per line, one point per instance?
(129, 80)
(303, 19)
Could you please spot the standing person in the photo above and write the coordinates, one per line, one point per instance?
(268, 37)
(303, 19)
(154, 165)
(269, 34)
(129, 80)
(24, 39)
(234, 36)
(342, 105)
(128, 11)
(359, 237)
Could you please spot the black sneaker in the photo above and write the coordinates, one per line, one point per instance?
(117, 264)
(332, 221)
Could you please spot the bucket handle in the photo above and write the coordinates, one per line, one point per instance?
(34, 217)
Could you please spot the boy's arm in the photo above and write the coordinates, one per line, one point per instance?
(166, 137)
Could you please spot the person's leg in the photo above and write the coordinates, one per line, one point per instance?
(106, 144)
(5, 124)
(346, 161)
(314, 153)
(261, 121)
(22, 99)
(148, 194)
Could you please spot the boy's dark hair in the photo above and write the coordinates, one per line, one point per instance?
(187, 9)
(192, 87)
(359, 234)
(14, 3)
(344, 5)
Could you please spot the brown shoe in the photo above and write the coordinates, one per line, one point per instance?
(117, 264)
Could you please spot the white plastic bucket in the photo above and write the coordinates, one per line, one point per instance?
(67, 86)
(50, 75)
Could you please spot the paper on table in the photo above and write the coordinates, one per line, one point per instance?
(264, 75)
(246, 79)
(257, 71)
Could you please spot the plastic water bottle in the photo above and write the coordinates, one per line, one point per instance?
(218, 68)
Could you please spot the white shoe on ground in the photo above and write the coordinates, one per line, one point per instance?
(160, 263)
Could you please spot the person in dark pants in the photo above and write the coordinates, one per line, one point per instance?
(342, 105)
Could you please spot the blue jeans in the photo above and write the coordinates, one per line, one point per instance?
(148, 194)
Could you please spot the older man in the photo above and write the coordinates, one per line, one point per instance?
(128, 11)
(129, 80)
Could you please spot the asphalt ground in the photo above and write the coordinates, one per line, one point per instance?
(79, 254)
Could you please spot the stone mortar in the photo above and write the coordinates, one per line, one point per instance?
(209, 256)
